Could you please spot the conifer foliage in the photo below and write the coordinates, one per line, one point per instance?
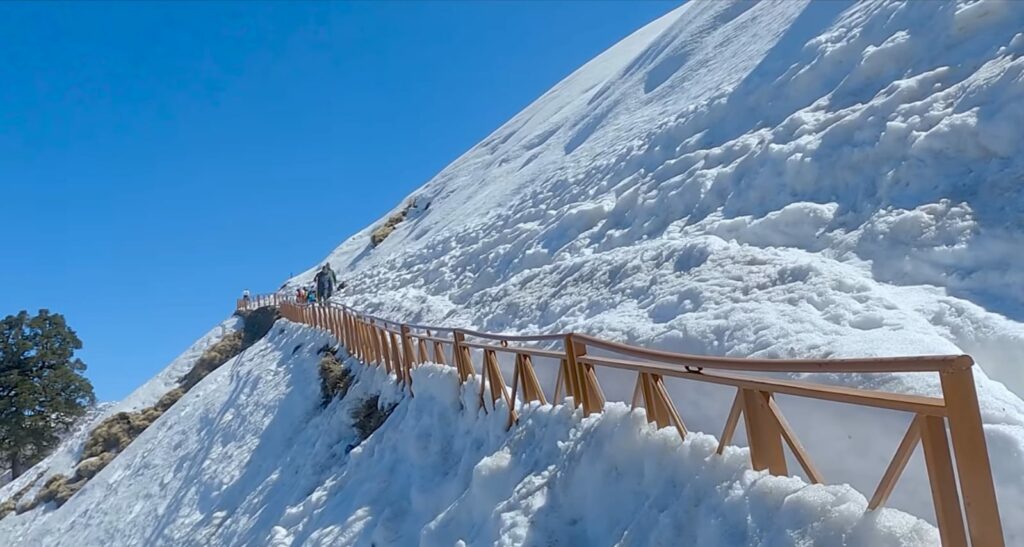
(42, 389)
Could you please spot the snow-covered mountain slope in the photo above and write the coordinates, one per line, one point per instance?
(64, 459)
(769, 179)
(250, 457)
(766, 179)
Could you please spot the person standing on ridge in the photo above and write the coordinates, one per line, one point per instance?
(245, 296)
(325, 282)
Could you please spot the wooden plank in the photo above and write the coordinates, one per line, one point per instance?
(972, 460)
(940, 474)
(924, 363)
(763, 434)
(731, 422)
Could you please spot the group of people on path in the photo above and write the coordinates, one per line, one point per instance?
(323, 287)
(324, 284)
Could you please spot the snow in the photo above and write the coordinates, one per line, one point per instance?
(65, 458)
(227, 465)
(773, 179)
(766, 179)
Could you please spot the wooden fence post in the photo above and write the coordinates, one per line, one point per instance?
(763, 434)
(407, 351)
(398, 357)
(585, 380)
(943, 482)
(385, 347)
(364, 341)
(462, 357)
(570, 377)
(972, 459)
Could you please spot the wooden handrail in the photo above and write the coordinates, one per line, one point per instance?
(931, 406)
(537, 352)
(396, 347)
(923, 363)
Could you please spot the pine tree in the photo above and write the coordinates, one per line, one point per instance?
(42, 390)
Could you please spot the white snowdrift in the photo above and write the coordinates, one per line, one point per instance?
(249, 457)
(771, 179)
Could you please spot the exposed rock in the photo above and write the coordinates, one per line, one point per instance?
(334, 378)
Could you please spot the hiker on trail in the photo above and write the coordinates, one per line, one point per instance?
(300, 295)
(245, 296)
(310, 295)
(325, 282)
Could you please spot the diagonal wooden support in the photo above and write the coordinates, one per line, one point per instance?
(637, 394)
(731, 422)
(439, 354)
(597, 399)
(898, 464)
(531, 385)
(660, 410)
(515, 380)
(559, 382)
(421, 349)
(668, 409)
(799, 452)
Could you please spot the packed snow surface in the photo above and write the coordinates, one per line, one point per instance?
(768, 179)
(251, 457)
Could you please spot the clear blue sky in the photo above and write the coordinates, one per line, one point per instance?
(156, 159)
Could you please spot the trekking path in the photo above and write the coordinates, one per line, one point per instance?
(962, 495)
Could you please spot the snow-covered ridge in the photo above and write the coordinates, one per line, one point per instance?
(766, 179)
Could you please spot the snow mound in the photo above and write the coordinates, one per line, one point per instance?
(230, 465)
(769, 179)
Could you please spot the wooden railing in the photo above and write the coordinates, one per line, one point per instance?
(399, 347)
